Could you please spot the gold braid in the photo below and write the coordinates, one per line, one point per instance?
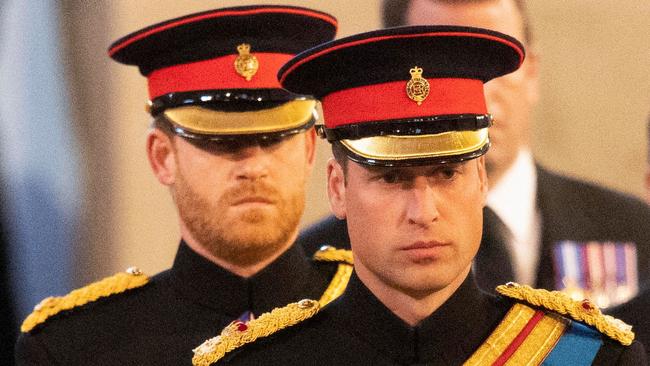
(238, 333)
(115, 284)
(343, 272)
(584, 311)
(330, 254)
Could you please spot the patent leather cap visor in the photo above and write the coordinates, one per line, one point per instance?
(413, 149)
(202, 121)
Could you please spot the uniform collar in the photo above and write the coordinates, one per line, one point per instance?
(451, 333)
(291, 277)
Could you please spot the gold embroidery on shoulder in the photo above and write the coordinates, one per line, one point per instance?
(584, 311)
(132, 278)
(342, 276)
(237, 333)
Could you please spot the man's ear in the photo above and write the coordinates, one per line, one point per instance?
(310, 147)
(336, 188)
(161, 155)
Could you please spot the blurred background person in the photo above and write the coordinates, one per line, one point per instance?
(541, 228)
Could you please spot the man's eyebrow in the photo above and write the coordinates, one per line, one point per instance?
(373, 169)
(454, 165)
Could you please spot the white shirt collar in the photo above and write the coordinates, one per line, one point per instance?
(514, 200)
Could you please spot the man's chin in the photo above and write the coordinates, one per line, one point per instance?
(257, 231)
(252, 216)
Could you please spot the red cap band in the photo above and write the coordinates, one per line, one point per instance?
(389, 101)
(218, 73)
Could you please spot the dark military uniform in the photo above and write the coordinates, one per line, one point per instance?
(212, 81)
(357, 329)
(637, 313)
(377, 116)
(161, 322)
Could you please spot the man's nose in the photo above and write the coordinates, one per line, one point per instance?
(252, 163)
(422, 206)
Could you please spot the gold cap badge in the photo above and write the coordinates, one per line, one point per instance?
(246, 64)
(418, 87)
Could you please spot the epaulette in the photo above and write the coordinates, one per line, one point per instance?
(583, 311)
(118, 283)
(340, 280)
(238, 333)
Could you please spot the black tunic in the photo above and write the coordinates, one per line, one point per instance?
(357, 329)
(637, 313)
(160, 323)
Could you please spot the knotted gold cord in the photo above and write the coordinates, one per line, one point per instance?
(108, 286)
(330, 254)
(343, 272)
(238, 334)
(584, 311)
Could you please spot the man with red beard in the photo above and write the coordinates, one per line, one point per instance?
(235, 150)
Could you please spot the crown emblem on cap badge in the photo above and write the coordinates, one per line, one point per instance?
(417, 88)
(246, 64)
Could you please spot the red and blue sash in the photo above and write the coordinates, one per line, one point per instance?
(528, 336)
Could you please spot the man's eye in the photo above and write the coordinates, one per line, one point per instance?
(391, 177)
(447, 173)
(235, 145)
(270, 141)
(220, 147)
(396, 177)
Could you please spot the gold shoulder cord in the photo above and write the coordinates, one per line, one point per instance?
(584, 311)
(132, 278)
(238, 333)
(341, 277)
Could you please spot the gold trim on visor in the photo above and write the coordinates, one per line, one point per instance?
(405, 147)
(199, 120)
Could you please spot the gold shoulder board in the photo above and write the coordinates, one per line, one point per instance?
(583, 311)
(238, 333)
(340, 280)
(130, 279)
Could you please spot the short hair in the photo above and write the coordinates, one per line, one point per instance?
(163, 124)
(394, 13)
(341, 157)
